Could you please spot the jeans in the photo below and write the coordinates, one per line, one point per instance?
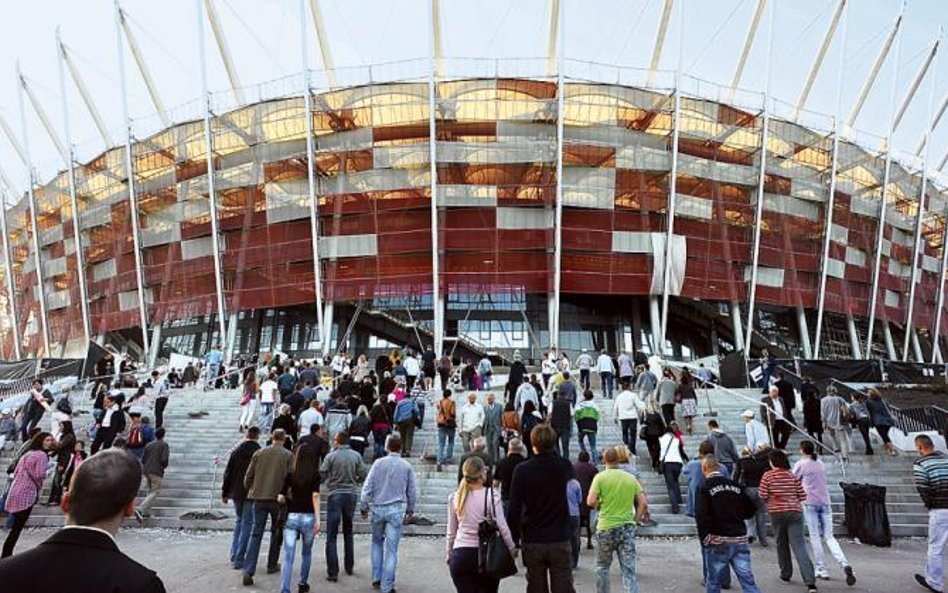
(606, 379)
(154, 489)
(819, 524)
(841, 440)
(672, 473)
(629, 432)
(464, 573)
(407, 432)
(584, 378)
(55, 486)
(548, 567)
(621, 542)
(30, 419)
(563, 437)
(386, 532)
(19, 522)
(340, 508)
(574, 539)
(863, 425)
(467, 439)
(242, 527)
(261, 510)
(160, 404)
(724, 580)
(378, 443)
(590, 438)
(788, 531)
(937, 540)
(266, 415)
(297, 525)
(723, 557)
(668, 413)
(757, 526)
(445, 444)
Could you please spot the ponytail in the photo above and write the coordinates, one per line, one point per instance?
(473, 472)
(808, 448)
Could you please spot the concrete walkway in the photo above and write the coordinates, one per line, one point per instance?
(196, 562)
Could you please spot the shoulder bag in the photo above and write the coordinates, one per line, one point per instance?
(661, 460)
(493, 558)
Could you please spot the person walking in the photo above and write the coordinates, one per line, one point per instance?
(667, 390)
(28, 476)
(584, 363)
(607, 373)
(818, 514)
(264, 480)
(300, 494)
(787, 395)
(341, 471)
(724, 449)
(65, 447)
(585, 471)
(561, 420)
(359, 430)
(626, 367)
(39, 402)
(812, 414)
(860, 414)
(671, 460)
(625, 411)
(931, 480)
(390, 489)
(503, 471)
(694, 473)
(574, 498)
(269, 399)
(473, 503)
(880, 418)
(587, 424)
(445, 367)
(381, 424)
(610, 493)
(493, 427)
(470, 421)
(835, 413)
(689, 401)
(750, 470)
(720, 511)
(407, 417)
(248, 402)
(233, 488)
(784, 496)
(155, 460)
(162, 388)
(538, 515)
(755, 433)
(525, 392)
(772, 413)
(446, 420)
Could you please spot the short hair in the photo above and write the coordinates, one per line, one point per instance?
(103, 486)
(610, 456)
(479, 443)
(515, 444)
(779, 459)
(393, 443)
(583, 456)
(160, 433)
(706, 448)
(588, 394)
(925, 441)
(278, 435)
(315, 427)
(253, 433)
(543, 438)
(712, 424)
(709, 464)
(342, 438)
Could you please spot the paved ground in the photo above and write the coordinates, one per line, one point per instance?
(197, 563)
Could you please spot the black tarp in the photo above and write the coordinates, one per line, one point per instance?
(865, 515)
(913, 372)
(94, 354)
(733, 371)
(60, 367)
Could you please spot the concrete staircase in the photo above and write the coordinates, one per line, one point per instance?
(200, 447)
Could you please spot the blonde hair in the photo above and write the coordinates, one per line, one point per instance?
(473, 470)
(623, 455)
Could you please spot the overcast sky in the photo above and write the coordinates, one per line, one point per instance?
(264, 38)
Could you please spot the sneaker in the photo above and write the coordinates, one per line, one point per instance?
(273, 569)
(850, 577)
(439, 467)
(811, 589)
(332, 579)
(823, 574)
(349, 571)
(921, 580)
(376, 584)
(248, 580)
(303, 588)
(784, 581)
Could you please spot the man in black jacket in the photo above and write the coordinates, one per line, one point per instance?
(234, 489)
(538, 515)
(721, 509)
(84, 551)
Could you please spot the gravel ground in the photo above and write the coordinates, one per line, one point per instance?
(196, 562)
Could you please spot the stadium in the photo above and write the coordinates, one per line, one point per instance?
(487, 206)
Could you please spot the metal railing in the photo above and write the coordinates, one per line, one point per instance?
(920, 419)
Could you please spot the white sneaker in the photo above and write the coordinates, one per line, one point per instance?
(823, 574)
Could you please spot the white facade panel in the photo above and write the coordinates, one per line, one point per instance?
(524, 218)
(348, 246)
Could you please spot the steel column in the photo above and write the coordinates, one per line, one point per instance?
(311, 175)
(558, 212)
(876, 66)
(736, 323)
(38, 259)
(436, 299)
(659, 41)
(8, 263)
(831, 199)
(211, 183)
(73, 199)
(86, 97)
(221, 40)
(323, 41)
(820, 55)
(130, 174)
(940, 304)
(142, 66)
(745, 50)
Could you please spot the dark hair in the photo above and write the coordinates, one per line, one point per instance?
(583, 456)
(65, 427)
(706, 448)
(778, 459)
(509, 406)
(36, 441)
(446, 394)
(393, 443)
(103, 486)
(529, 407)
(713, 424)
(37, 380)
(808, 448)
(160, 433)
(588, 394)
(305, 466)
(342, 438)
(543, 438)
(925, 441)
(253, 433)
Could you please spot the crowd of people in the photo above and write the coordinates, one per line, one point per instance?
(307, 425)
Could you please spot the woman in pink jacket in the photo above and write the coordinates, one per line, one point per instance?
(31, 470)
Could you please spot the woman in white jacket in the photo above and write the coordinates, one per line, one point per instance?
(671, 459)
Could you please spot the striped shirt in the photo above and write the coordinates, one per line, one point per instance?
(782, 491)
(931, 480)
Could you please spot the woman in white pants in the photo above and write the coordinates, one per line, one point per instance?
(248, 402)
(818, 513)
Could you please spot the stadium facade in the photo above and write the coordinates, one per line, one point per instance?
(487, 205)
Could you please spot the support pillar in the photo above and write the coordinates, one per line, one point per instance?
(714, 337)
(231, 337)
(853, 336)
(636, 327)
(917, 347)
(655, 321)
(155, 345)
(804, 330)
(437, 301)
(889, 342)
(327, 330)
(558, 214)
(11, 288)
(738, 329)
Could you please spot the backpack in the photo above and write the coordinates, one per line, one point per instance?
(135, 437)
(64, 406)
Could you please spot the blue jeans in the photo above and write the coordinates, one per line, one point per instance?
(340, 507)
(297, 525)
(445, 444)
(606, 379)
(621, 542)
(378, 443)
(386, 532)
(261, 510)
(242, 527)
(721, 559)
(266, 416)
(724, 580)
(563, 442)
(591, 440)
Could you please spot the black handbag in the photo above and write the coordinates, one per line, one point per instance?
(493, 558)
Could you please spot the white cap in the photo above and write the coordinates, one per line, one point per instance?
(747, 414)
(5, 412)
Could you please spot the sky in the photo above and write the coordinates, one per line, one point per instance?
(264, 37)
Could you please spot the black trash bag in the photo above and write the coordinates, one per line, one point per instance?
(865, 516)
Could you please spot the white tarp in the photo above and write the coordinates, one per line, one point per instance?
(678, 254)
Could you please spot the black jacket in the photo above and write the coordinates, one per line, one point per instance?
(787, 395)
(88, 560)
(721, 508)
(561, 417)
(233, 486)
(538, 510)
(750, 470)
